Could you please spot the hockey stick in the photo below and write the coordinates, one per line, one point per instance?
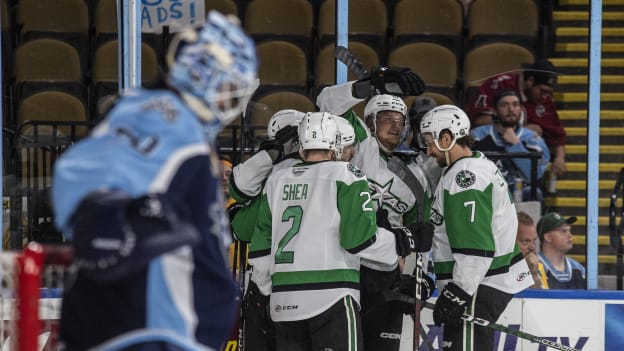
(353, 64)
(242, 270)
(505, 329)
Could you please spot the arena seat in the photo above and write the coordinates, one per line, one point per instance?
(283, 65)
(434, 63)
(325, 67)
(288, 20)
(514, 21)
(368, 23)
(438, 21)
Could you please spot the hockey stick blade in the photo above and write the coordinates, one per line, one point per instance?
(353, 64)
(507, 330)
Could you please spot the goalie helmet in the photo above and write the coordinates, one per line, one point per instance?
(214, 69)
(384, 102)
(282, 119)
(346, 135)
(445, 117)
(318, 130)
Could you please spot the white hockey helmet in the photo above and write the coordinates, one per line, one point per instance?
(445, 117)
(346, 135)
(318, 130)
(281, 119)
(385, 102)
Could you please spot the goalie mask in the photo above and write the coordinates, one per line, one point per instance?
(318, 131)
(214, 69)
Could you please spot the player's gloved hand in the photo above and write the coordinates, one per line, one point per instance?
(382, 219)
(149, 212)
(423, 235)
(389, 80)
(407, 286)
(404, 241)
(275, 147)
(450, 305)
(399, 81)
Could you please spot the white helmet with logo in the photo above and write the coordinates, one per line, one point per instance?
(346, 135)
(281, 119)
(445, 117)
(385, 102)
(318, 130)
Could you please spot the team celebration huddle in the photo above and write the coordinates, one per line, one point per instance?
(353, 223)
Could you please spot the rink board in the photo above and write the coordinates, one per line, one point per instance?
(586, 320)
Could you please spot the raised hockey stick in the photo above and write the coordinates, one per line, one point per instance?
(507, 330)
(353, 64)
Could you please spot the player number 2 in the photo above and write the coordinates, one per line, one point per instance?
(294, 212)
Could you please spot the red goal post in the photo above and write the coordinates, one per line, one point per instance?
(32, 284)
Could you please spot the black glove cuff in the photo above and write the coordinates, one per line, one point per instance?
(456, 293)
(362, 89)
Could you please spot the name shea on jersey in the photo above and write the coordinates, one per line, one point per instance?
(295, 192)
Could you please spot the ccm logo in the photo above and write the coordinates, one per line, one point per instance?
(279, 308)
(393, 336)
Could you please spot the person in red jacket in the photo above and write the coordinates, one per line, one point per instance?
(535, 84)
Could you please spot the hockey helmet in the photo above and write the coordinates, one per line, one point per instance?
(318, 130)
(281, 119)
(346, 135)
(445, 117)
(385, 102)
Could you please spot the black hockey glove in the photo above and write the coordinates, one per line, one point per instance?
(423, 235)
(397, 81)
(275, 147)
(407, 286)
(450, 305)
(389, 80)
(404, 241)
(382, 219)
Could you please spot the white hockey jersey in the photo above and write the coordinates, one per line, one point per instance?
(315, 222)
(475, 229)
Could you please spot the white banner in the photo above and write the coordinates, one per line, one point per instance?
(176, 14)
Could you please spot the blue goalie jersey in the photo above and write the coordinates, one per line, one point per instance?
(150, 143)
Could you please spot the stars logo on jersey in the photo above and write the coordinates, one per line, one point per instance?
(381, 194)
(465, 178)
(353, 169)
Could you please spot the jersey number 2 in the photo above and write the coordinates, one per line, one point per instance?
(294, 212)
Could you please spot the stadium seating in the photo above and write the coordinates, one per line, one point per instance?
(289, 20)
(325, 67)
(513, 21)
(283, 65)
(368, 23)
(439, 21)
(227, 7)
(434, 63)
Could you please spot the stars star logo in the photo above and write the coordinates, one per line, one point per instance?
(381, 194)
(465, 178)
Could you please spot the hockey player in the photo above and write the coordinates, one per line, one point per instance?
(141, 200)
(316, 221)
(398, 186)
(477, 262)
(251, 175)
(280, 150)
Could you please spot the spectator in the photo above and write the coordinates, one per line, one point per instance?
(527, 242)
(562, 272)
(507, 135)
(476, 259)
(141, 200)
(535, 85)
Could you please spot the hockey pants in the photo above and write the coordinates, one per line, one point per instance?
(259, 329)
(381, 321)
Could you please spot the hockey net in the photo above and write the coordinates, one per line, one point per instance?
(32, 284)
